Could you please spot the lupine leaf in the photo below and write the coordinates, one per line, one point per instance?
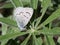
(17, 3)
(8, 21)
(26, 40)
(50, 40)
(46, 31)
(45, 4)
(11, 35)
(35, 40)
(34, 4)
(52, 17)
(4, 29)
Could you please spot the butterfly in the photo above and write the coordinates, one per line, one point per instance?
(22, 16)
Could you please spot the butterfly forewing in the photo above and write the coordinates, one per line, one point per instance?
(22, 16)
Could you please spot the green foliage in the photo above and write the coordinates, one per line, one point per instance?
(17, 3)
(26, 40)
(53, 16)
(45, 4)
(8, 5)
(34, 4)
(11, 35)
(36, 27)
(8, 21)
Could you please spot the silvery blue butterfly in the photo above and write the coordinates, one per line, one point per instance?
(22, 16)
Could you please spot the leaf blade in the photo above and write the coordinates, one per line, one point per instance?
(8, 21)
(53, 16)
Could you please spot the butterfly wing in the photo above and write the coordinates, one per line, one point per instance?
(27, 15)
(23, 16)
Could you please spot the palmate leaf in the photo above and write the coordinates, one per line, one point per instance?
(45, 4)
(52, 17)
(8, 21)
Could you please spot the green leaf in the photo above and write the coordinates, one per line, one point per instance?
(52, 17)
(36, 41)
(46, 31)
(50, 40)
(50, 26)
(26, 40)
(34, 4)
(45, 41)
(26, 2)
(4, 29)
(33, 24)
(39, 41)
(12, 29)
(45, 4)
(7, 5)
(17, 3)
(4, 42)
(11, 35)
(58, 40)
(8, 21)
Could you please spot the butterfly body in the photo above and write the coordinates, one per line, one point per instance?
(22, 16)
